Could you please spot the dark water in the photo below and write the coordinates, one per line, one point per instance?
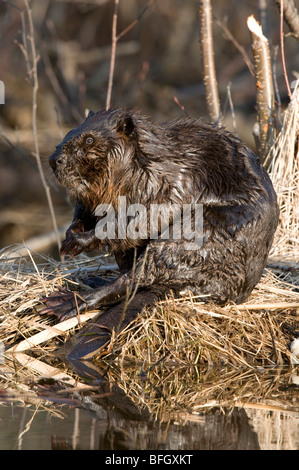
(133, 413)
(28, 428)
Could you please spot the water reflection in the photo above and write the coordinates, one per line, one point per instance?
(166, 408)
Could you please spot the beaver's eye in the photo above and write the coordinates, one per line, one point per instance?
(89, 140)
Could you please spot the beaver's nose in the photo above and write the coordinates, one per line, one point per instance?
(55, 160)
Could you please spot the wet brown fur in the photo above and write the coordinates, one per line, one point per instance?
(121, 152)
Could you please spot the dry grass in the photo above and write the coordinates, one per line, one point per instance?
(232, 347)
(24, 280)
(184, 393)
(283, 165)
(184, 331)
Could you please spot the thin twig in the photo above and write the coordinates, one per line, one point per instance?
(115, 38)
(32, 73)
(291, 16)
(128, 28)
(180, 105)
(238, 46)
(231, 105)
(272, 338)
(130, 294)
(282, 52)
(276, 89)
(113, 52)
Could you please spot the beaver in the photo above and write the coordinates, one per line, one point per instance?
(119, 154)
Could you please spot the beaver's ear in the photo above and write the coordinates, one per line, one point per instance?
(126, 126)
(89, 113)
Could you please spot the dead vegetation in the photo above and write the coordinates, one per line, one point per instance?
(283, 164)
(182, 331)
(237, 355)
(185, 332)
(166, 393)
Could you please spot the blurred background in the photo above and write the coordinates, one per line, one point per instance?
(157, 65)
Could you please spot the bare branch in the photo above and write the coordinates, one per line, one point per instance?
(291, 16)
(208, 63)
(240, 48)
(264, 86)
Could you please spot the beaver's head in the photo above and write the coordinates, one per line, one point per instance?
(95, 153)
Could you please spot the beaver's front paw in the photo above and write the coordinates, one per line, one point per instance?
(77, 242)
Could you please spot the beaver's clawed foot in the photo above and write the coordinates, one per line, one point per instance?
(64, 304)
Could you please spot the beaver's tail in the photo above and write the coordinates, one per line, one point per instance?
(92, 338)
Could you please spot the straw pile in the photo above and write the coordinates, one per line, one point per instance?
(183, 331)
(282, 163)
(185, 393)
(232, 347)
(24, 280)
